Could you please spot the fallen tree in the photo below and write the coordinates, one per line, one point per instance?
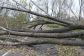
(59, 34)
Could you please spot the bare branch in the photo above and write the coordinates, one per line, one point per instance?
(39, 7)
(37, 14)
(58, 30)
(47, 41)
(45, 35)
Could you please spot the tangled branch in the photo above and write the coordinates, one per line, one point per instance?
(46, 35)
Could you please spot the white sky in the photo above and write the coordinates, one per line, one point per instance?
(75, 6)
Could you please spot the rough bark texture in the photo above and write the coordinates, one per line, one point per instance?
(66, 32)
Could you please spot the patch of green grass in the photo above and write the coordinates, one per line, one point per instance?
(2, 38)
(54, 26)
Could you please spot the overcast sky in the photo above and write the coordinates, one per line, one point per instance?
(75, 7)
